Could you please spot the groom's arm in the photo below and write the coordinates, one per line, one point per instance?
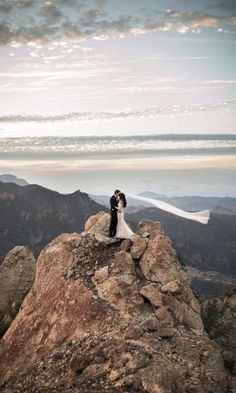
(113, 203)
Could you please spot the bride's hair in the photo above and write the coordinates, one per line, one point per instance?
(123, 199)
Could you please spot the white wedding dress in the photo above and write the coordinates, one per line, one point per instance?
(123, 231)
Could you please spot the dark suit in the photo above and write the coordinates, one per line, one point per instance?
(113, 222)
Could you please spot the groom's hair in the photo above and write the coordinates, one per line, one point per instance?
(116, 191)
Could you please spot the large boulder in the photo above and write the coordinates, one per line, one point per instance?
(17, 273)
(94, 322)
(99, 223)
(138, 247)
(159, 262)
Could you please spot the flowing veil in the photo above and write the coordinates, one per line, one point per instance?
(201, 217)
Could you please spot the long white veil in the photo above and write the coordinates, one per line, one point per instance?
(201, 217)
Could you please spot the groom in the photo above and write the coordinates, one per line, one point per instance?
(113, 222)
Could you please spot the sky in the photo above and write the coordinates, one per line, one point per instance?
(106, 67)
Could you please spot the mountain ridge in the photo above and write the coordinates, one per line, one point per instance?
(33, 215)
(7, 178)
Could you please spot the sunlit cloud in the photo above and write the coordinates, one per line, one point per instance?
(134, 113)
(68, 146)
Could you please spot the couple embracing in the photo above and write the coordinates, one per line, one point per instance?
(118, 226)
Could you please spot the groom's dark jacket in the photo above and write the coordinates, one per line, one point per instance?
(113, 203)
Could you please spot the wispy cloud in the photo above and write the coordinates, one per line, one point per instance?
(135, 113)
(220, 82)
(59, 74)
(115, 144)
(121, 165)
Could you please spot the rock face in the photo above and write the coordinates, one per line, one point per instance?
(99, 320)
(17, 274)
(219, 318)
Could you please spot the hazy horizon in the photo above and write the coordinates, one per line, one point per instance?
(88, 182)
(167, 164)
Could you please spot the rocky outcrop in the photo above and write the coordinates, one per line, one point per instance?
(219, 318)
(17, 274)
(101, 317)
(99, 223)
(203, 247)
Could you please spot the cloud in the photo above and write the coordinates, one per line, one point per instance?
(196, 57)
(76, 21)
(201, 20)
(220, 82)
(79, 71)
(50, 12)
(51, 146)
(135, 113)
(23, 3)
(5, 6)
(100, 3)
(197, 19)
(224, 5)
(167, 57)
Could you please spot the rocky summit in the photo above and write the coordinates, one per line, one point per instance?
(106, 315)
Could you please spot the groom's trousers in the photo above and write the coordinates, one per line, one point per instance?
(113, 223)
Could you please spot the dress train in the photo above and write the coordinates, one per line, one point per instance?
(202, 216)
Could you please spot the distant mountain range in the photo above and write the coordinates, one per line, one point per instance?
(33, 215)
(6, 178)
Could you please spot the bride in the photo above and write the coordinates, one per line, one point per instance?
(122, 230)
